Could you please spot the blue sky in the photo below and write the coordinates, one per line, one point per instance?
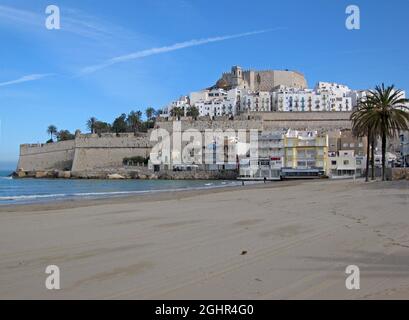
(55, 76)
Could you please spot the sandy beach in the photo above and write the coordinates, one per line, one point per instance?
(284, 240)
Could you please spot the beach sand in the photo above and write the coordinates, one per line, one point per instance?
(284, 240)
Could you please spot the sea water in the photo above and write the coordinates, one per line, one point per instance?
(15, 191)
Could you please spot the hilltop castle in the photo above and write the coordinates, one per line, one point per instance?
(261, 80)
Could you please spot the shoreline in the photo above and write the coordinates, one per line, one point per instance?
(148, 196)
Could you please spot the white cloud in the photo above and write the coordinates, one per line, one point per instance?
(173, 47)
(27, 78)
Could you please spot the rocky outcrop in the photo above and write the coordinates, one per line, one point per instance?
(64, 174)
(124, 173)
(115, 176)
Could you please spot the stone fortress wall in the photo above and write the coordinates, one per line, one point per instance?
(320, 121)
(51, 156)
(268, 121)
(86, 152)
(93, 152)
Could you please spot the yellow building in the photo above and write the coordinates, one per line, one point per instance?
(305, 154)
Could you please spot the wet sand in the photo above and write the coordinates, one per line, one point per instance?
(284, 240)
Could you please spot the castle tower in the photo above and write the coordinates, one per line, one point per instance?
(237, 76)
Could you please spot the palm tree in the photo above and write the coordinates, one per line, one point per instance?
(149, 112)
(52, 130)
(388, 115)
(193, 112)
(361, 128)
(120, 124)
(139, 114)
(177, 112)
(91, 124)
(134, 119)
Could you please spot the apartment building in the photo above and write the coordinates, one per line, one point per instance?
(305, 154)
(288, 155)
(324, 97)
(345, 163)
(256, 102)
(265, 159)
(345, 140)
(216, 102)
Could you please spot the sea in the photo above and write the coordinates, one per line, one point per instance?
(26, 191)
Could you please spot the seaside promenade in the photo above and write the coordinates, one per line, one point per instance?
(286, 240)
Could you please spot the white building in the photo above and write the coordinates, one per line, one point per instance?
(183, 103)
(256, 102)
(404, 148)
(346, 164)
(325, 97)
(357, 96)
(266, 157)
(216, 102)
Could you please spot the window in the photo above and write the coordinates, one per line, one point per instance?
(346, 162)
(334, 162)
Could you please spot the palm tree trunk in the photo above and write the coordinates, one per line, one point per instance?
(368, 153)
(383, 156)
(373, 157)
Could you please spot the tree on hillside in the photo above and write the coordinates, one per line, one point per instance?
(91, 124)
(64, 135)
(134, 120)
(102, 127)
(52, 131)
(177, 112)
(150, 117)
(150, 113)
(192, 111)
(119, 125)
(158, 113)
